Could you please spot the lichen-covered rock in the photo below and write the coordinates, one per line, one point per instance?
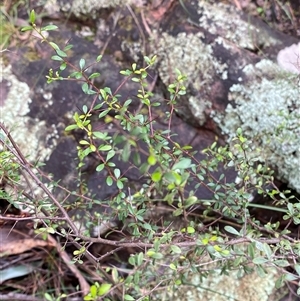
(193, 58)
(226, 21)
(91, 8)
(30, 134)
(218, 287)
(267, 109)
(225, 75)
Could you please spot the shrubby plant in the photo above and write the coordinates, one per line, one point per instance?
(165, 249)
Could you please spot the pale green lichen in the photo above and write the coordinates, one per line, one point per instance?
(225, 20)
(194, 59)
(267, 109)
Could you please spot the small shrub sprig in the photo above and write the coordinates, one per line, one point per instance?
(223, 235)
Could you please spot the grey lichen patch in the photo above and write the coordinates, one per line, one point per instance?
(90, 7)
(267, 109)
(194, 59)
(219, 287)
(199, 107)
(224, 20)
(232, 287)
(134, 49)
(27, 132)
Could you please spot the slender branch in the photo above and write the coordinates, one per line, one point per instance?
(27, 167)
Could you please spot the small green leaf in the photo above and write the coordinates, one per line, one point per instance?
(32, 17)
(115, 275)
(103, 289)
(109, 181)
(190, 230)
(156, 255)
(267, 250)
(85, 88)
(78, 252)
(94, 75)
(135, 79)
(71, 127)
(104, 113)
(93, 291)
(100, 167)
(156, 176)
(26, 28)
(259, 260)
(175, 249)
(110, 154)
(187, 147)
(117, 173)
(63, 66)
(251, 250)
(104, 148)
(182, 164)
(120, 184)
(151, 160)
(173, 267)
(84, 142)
(128, 298)
(49, 27)
(84, 109)
(150, 252)
(48, 297)
(131, 260)
(68, 47)
(232, 230)
(56, 58)
(98, 59)
(81, 63)
(279, 282)
(140, 258)
(178, 212)
(282, 263)
(190, 201)
(61, 53)
(297, 268)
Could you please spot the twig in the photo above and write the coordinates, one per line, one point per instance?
(238, 5)
(16, 297)
(27, 166)
(85, 287)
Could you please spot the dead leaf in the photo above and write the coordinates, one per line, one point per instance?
(15, 242)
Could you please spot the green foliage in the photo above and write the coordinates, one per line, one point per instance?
(97, 291)
(177, 243)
